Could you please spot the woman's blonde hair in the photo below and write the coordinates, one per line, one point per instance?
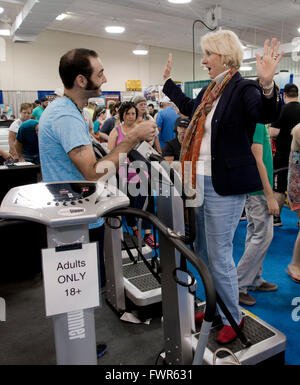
(225, 43)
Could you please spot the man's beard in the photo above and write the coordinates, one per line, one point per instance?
(92, 88)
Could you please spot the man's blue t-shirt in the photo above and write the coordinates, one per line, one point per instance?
(28, 137)
(165, 120)
(61, 129)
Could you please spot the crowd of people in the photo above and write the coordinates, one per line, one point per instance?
(23, 137)
(224, 130)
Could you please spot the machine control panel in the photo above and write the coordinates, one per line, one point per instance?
(62, 203)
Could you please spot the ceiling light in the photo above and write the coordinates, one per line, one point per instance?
(61, 17)
(140, 49)
(246, 68)
(114, 29)
(4, 29)
(179, 1)
(299, 29)
(1, 10)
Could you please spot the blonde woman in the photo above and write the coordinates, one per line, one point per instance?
(294, 199)
(224, 116)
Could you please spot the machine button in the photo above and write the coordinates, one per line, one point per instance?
(73, 203)
(57, 204)
(65, 203)
(80, 201)
(87, 199)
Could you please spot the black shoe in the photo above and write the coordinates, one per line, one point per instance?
(101, 350)
(277, 221)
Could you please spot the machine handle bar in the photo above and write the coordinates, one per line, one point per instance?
(175, 241)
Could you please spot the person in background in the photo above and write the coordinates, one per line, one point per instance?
(4, 156)
(27, 145)
(260, 207)
(141, 104)
(98, 120)
(294, 199)
(171, 151)
(217, 147)
(110, 106)
(110, 123)
(152, 110)
(91, 107)
(165, 120)
(128, 113)
(25, 114)
(142, 115)
(281, 132)
(38, 111)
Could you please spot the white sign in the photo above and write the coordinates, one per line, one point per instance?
(70, 279)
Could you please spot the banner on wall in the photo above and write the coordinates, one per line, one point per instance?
(100, 101)
(106, 97)
(133, 85)
(50, 95)
(5, 110)
(152, 93)
(114, 96)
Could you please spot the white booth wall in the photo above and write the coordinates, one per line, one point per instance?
(34, 66)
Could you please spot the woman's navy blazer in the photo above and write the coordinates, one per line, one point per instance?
(241, 106)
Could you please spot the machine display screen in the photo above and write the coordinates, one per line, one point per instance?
(71, 191)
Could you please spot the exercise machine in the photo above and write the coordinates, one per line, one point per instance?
(66, 209)
(257, 342)
(132, 282)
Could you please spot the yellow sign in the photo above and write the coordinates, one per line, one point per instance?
(133, 85)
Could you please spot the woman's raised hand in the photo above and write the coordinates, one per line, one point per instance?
(267, 64)
(168, 68)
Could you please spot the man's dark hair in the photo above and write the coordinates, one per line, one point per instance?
(291, 90)
(125, 107)
(75, 62)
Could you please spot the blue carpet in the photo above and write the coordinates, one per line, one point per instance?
(276, 307)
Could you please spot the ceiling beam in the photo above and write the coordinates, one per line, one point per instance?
(35, 17)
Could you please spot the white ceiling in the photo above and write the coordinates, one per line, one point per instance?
(159, 23)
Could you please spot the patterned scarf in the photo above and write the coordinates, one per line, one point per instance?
(190, 148)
